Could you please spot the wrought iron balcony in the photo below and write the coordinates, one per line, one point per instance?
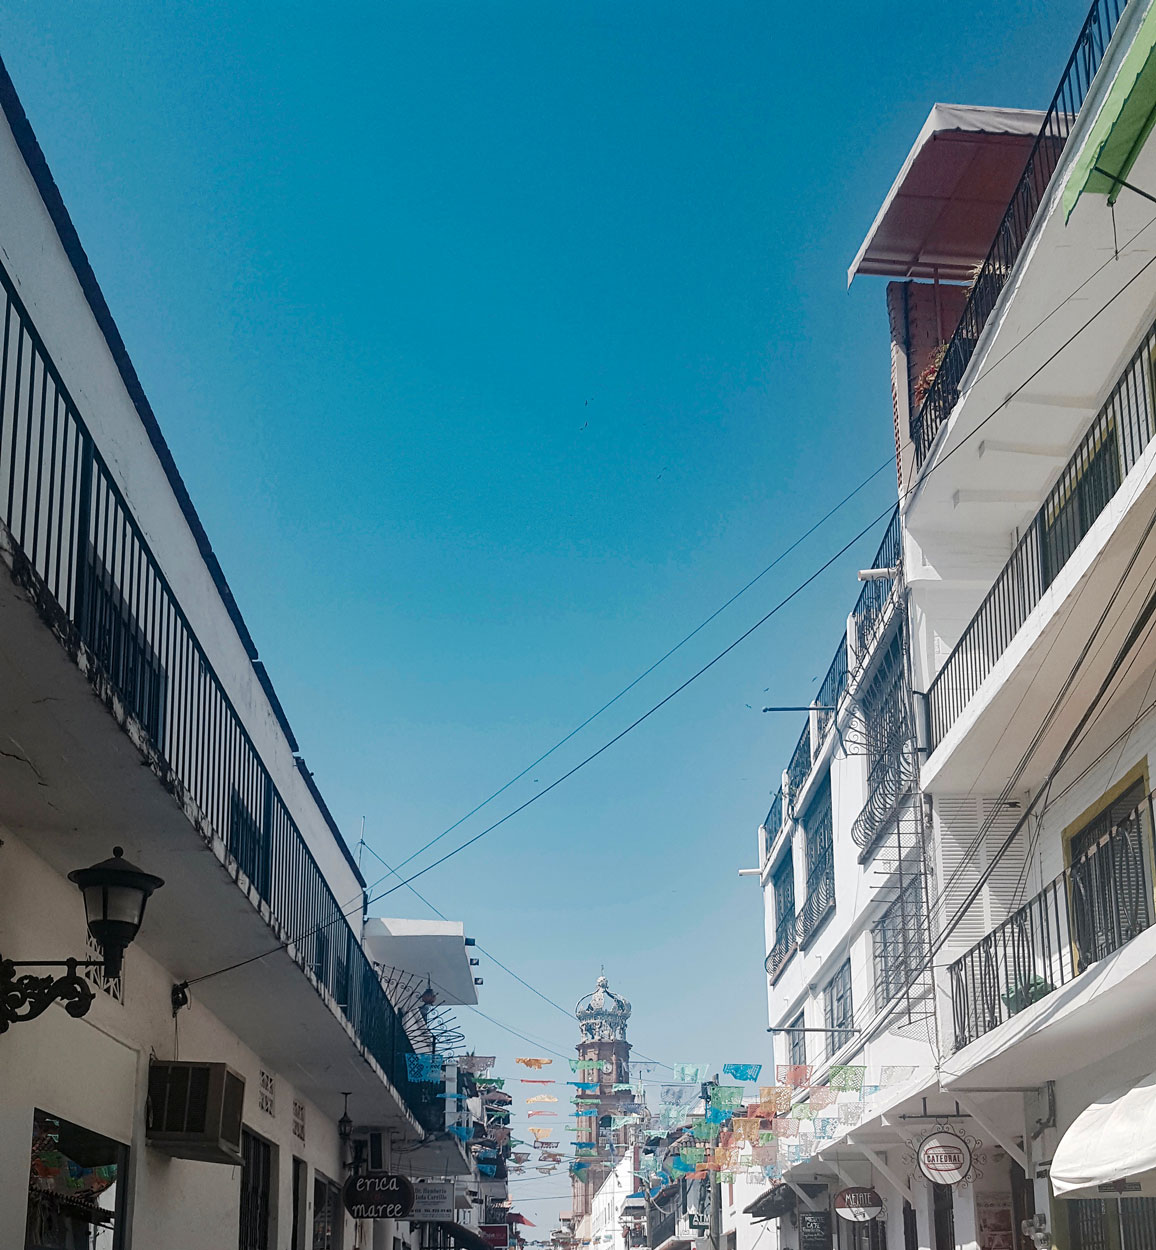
(1113, 443)
(799, 769)
(774, 818)
(889, 782)
(831, 691)
(784, 947)
(1021, 212)
(868, 613)
(1090, 910)
(820, 900)
(81, 553)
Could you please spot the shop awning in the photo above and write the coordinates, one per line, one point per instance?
(1123, 125)
(1110, 1147)
(772, 1203)
(946, 204)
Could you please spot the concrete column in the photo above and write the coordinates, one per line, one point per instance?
(924, 1212)
(963, 1210)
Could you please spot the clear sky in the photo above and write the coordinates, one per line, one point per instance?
(498, 345)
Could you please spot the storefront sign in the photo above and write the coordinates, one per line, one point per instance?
(944, 1158)
(858, 1205)
(497, 1235)
(433, 1200)
(815, 1230)
(378, 1196)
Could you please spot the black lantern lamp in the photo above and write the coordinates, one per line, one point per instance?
(115, 893)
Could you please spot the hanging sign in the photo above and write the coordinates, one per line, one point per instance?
(858, 1205)
(944, 1158)
(433, 1201)
(378, 1196)
(497, 1235)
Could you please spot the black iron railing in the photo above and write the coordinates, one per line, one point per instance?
(820, 900)
(831, 691)
(774, 820)
(784, 947)
(868, 613)
(889, 782)
(1090, 910)
(1013, 230)
(799, 768)
(1119, 434)
(79, 549)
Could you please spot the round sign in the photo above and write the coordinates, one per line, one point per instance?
(944, 1158)
(858, 1205)
(378, 1196)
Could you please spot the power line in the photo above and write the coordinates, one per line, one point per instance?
(742, 637)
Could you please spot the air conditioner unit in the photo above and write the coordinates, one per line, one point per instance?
(194, 1110)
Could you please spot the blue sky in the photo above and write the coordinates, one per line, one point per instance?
(498, 345)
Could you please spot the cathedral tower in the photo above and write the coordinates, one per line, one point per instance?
(604, 1062)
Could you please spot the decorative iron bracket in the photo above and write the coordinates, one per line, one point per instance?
(26, 996)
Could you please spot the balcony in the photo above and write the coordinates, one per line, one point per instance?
(784, 947)
(799, 769)
(78, 552)
(1088, 912)
(890, 781)
(997, 268)
(1106, 454)
(870, 609)
(832, 690)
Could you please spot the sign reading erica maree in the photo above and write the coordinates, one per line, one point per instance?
(378, 1196)
(944, 1158)
(858, 1205)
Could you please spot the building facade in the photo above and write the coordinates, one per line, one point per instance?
(220, 1085)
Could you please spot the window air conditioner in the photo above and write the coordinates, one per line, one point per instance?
(194, 1110)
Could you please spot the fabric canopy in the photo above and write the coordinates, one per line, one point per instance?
(1114, 1140)
(1123, 125)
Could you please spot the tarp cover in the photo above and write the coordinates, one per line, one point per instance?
(1113, 1140)
(1123, 125)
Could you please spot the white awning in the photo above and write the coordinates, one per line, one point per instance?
(1110, 1147)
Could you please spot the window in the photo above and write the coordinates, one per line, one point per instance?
(797, 1042)
(784, 887)
(75, 1197)
(256, 1182)
(1109, 873)
(820, 898)
(884, 703)
(326, 1214)
(900, 942)
(837, 1011)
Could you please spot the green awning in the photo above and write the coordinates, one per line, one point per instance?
(1124, 123)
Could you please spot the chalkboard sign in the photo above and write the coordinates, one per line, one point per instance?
(815, 1230)
(378, 1196)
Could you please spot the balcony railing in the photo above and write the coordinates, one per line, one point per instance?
(799, 768)
(1121, 431)
(831, 691)
(80, 551)
(784, 947)
(867, 615)
(889, 782)
(774, 820)
(1013, 231)
(1090, 910)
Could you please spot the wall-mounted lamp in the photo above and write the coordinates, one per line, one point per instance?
(345, 1124)
(115, 893)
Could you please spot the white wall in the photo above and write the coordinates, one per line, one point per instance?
(94, 1072)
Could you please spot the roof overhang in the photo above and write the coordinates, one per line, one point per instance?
(944, 208)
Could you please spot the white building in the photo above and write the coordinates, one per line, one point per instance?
(198, 1101)
(1025, 407)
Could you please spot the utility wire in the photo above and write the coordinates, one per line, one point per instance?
(730, 647)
